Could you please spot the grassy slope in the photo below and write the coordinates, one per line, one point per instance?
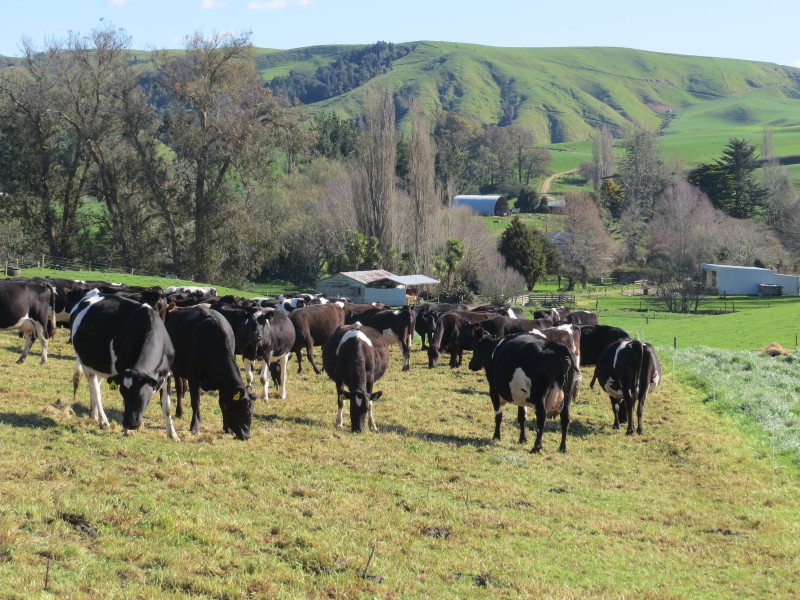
(691, 509)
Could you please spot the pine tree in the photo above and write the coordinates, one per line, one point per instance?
(524, 252)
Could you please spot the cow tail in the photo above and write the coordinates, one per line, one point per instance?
(638, 382)
(51, 316)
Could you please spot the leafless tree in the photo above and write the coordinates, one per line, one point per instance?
(424, 196)
(498, 282)
(602, 156)
(374, 178)
(589, 248)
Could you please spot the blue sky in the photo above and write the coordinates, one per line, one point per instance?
(766, 30)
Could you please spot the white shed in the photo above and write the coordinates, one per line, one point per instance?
(748, 281)
(372, 286)
(486, 206)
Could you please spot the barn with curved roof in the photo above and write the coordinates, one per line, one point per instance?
(486, 206)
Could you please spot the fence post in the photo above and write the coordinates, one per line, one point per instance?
(675, 342)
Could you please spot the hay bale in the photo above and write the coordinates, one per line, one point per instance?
(775, 350)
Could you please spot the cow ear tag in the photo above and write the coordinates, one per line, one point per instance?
(237, 396)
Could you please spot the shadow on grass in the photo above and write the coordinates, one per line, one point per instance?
(273, 417)
(29, 420)
(439, 438)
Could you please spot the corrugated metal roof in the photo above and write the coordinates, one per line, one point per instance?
(366, 277)
(483, 205)
(414, 279)
(733, 267)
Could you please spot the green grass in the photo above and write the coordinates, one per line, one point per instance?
(700, 506)
(497, 225)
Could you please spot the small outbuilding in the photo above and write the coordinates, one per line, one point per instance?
(373, 286)
(485, 206)
(748, 281)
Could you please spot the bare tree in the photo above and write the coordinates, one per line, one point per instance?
(589, 248)
(641, 170)
(374, 178)
(602, 156)
(424, 196)
(499, 282)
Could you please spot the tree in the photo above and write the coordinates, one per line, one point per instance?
(602, 157)
(498, 281)
(641, 170)
(375, 174)
(421, 188)
(523, 251)
(730, 181)
(588, 248)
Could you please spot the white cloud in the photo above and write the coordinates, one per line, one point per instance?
(212, 4)
(796, 63)
(270, 5)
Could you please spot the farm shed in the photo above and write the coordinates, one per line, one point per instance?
(372, 286)
(485, 206)
(749, 281)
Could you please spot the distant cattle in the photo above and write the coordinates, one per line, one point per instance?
(580, 317)
(426, 317)
(313, 325)
(446, 339)
(29, 307)
(505, 310)
(596, 338)
(355, 357)
(125, 342)
(204, 356)
(530, 372)
(191, 289)
(628, 371)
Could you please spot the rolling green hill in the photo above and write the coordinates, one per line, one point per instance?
(562, 94)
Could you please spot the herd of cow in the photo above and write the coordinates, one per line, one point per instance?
(144, 340)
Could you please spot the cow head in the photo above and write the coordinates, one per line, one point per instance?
(360, 403)
(483, 347)
(433, 356)
(136, 388)
(237, 411)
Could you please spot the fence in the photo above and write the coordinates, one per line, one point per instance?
(544, 299)
(43, 261)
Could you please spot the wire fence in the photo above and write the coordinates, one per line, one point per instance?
(14, 265)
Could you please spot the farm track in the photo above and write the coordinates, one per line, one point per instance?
(691, 508)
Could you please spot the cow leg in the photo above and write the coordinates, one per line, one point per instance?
(629, 402)
(248, 370)
(194, 394)
(95, 398)
(564, 426)
(299, 362)
(226, 428)
(639, 411)
(340, 404)
(370, 418)
(615, 410)
(264, 377)
(28, 336)
(76, 379)
(541, 417)
(284, 360)
(522, 412)
(43, 340)
(167, 412)
(498, 413)
(180, 390)
(406, 353)
(310, 353)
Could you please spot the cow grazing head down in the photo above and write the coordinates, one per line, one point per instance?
(360, 402)
(136, 388)
(237, 412)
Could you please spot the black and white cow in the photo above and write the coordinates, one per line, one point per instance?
(628, 370)
(313, 325)
(397, 326)
(277, 340)
(355, 357)
(29, 307)
(530, 372)
(125, 342)
(204, 356)
(596, 338)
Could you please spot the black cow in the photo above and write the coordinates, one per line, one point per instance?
(579, 317)
(498, 327)
(628, 370)
(204, 356)
(29, 307)
(313, 325)
(397, 326)
(530, 372)
(448, 329)
(596, 338)
(126, 343)
(355, 357)
(426, 317)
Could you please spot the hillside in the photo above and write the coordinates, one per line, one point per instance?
(562, 94)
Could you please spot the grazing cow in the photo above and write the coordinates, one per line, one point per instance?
(569, 335)
(557, 313)
(595, 339)
(204, 356)
(628, 370)
(448, 329)
(397, 326)
(277, 340)
(29, 307)
(355, 357)
(313, 325)
(126, 343)
(530, 372)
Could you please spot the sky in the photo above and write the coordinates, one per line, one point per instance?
(766, 30)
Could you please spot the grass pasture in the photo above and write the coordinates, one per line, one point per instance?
(696, 507)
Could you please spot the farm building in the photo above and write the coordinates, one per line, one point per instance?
(749, 281)
(373, 286)
(485, 206)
